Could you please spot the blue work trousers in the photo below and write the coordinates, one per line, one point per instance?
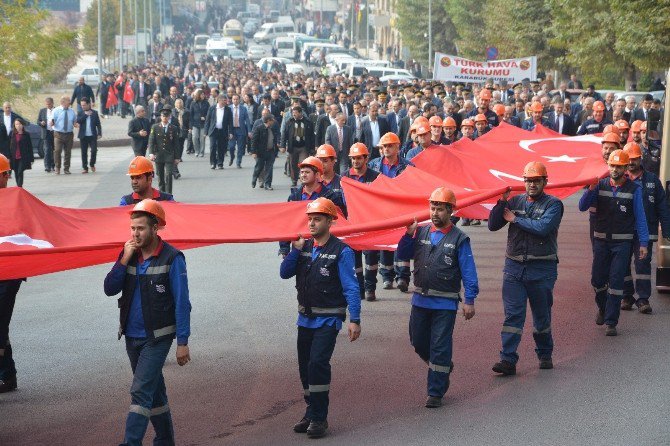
(315, 348)
(239, 140)
(611, 260)
(389, 266)
(148, 395)
(431, 335)
(642, 273)
(518, 289)
(8, 291)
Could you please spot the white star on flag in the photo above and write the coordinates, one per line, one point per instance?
(563, 159)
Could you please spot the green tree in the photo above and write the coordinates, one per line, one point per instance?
(29, 55)
(413, 25)
(110, 24)
(467, 17)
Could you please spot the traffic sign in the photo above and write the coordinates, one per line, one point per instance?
(491, 53)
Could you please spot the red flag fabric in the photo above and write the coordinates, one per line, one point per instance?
(128, 93)
(36, 238)
(111, 97)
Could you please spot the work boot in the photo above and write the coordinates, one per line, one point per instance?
(600, 317)
(627, 303)
(643, 306)
(433, 401)
(505, 368)
(610, 330)
(546, 364)
(317, 429)
(8, 384)
(301, 426)
(402, 285)
(370, 296)
(476, 222)
(388, 285)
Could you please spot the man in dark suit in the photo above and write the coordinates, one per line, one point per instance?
(510, 118)
(277, 106)
(341, 137)
(373, 127)
(506, 95)
(641, 113)
(6, 126)
(154, 108)
(562, 91)
(82, 90)
(575, 84)
(393, 117)
(219, 128)
(561, 122)
(241, 130)
(138, 130)
(324, 122)
(44, 118)
(142, 91)
(164, 149)
(319, 110)
(90, 131)
(263, 149)
(297, 140)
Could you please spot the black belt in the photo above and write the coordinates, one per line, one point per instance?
(64, 133)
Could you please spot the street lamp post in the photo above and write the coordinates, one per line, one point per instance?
(121, 33)
(367, 29)
(430, 33)
(144, 28)
(100, 41)
(136, 39)
(151, 26)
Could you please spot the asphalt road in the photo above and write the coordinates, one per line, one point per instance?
(242, 387)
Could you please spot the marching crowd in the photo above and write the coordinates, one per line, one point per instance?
(333, 126)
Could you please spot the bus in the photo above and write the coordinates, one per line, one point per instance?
(233, 29)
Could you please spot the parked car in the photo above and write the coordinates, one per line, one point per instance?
(35, 132)
(294, 68)
(256, 52)
(268, 64)
(90, 75)
(236, 54)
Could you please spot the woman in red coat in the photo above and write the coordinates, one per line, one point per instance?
(20, 151)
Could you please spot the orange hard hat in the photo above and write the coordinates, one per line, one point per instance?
(422, 129)
(151, 207)
(4, 164)
(499, 109)
(435, 120)
(140, 165)
(420, 120)
(598, 106)
(622, 124)
(611, 137)
(326, 151)
(618, 158)
(481, 117)
(536, 107)
(534, 169)
(322, 205)
(314, 162)
(389, 138)
(443, 195)
(636, 126)
(449, 122)
(633, 150)
(467, 123)
(611, 128)
(643, 126)
(485, 94)
(358, 149)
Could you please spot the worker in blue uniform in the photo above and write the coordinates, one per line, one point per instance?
(359, 171)
(531, 265)
(311, 170)
(597, 123)
(328, 157)
(141, 173)
(391, 268)
(442, 260)
(324, 270)
(154, 308)
(619, 213)
(656, 211)
(537, 117)
(423, 137)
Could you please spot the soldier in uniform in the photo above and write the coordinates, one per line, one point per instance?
(164, 149)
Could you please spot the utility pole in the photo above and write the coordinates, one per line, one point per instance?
(144, 28)
(352, 12)
(136, 39)
(430, 33)
(151, 26)
(367, 29)
(100, 40)
(121, 32)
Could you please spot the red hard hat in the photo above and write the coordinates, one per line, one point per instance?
(622, 124)
(611, 128)
(636, 126)
(536, 107)
(481, 117)
(443, 195)
(326, 151)
(322, 205)
(314, 162)
(619, 158)
(140, 165)
(467, 123)
(358, 149)
(449, 122)
(633, 150)
(151, 207)
(611, 137)
(499, 109)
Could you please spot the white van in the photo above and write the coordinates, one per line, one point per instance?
(311, 46)
(368, 66)
(271, 31)
(200, 42)
(285, 47)
(218, 48)
(379, 72)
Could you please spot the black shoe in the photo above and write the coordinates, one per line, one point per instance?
(546, 364)
(465, 223)
(600, 317)
(294, 183)
(402, 286)
(67, 172)
(220, 166)
(643, 306)
(8, 384)
(505, 368)
(239, 166)
(388, 285)
(317, 429)
(261, 185)
(253, 184)
(301, 426)
(476, 222)
(627, 303)
(610, 330)
(230, 163)
(177, 176)
(213, 167)
(370, 296)
(269, 188)
(433, 401)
